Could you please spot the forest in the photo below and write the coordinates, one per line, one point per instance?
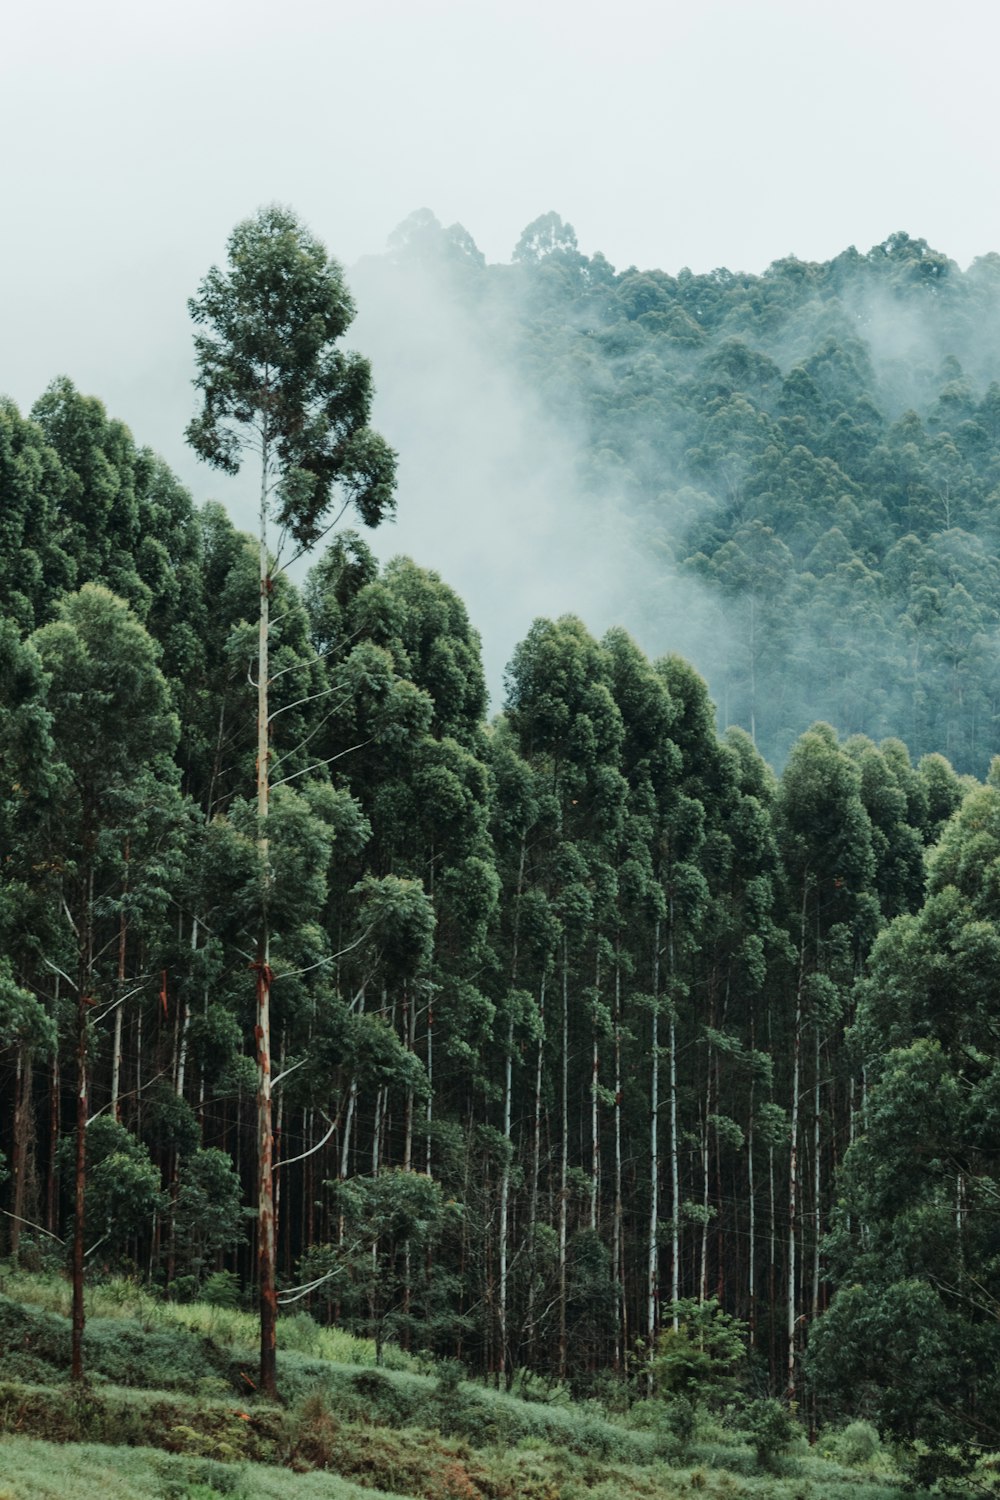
(533, 1040)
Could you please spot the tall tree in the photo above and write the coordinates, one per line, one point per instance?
(275, 384)
(113, 729)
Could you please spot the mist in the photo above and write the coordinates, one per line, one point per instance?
(491, 493)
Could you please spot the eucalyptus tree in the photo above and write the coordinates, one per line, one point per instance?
(30, 918)
(275, 384)
(828, 865)
(567, 724)
(36, 565)
(915, 1240)
(114, 733)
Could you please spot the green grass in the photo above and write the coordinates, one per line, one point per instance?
(170, 1410)
(120, 1297)
(32, 1470)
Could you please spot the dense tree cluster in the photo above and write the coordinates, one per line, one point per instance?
(576, 1016)
(818, 447)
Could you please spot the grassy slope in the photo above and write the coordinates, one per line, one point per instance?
(170, 1412)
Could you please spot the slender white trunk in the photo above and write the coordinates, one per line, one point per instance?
(183, 1046)
(536, 1152)
(564, 1163)
(752, 1205)
(675, 1162)
(507, 1089)
(652, 1263)
(410, 1003)
(595, 1138)
(793, 1155)
(505, 1197)
(705, 1166)
(429, 1111)
(262, 965)
(817, 1183)
(617, 1267)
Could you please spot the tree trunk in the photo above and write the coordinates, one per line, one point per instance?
(751, 1204)
(793, 1154)
(80, 1183)
(618, 1249)
(23, 1135)
(536, 1152)
(817, 1182)
(262, 966)
(652, 1263)
(564, 1163)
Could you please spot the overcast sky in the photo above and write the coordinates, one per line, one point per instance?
(717, 132)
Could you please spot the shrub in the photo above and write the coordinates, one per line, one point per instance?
(771, 1430)
(221, 1289)
(857, 1444)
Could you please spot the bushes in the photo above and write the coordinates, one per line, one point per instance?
(857, 1444)
(771, 1431)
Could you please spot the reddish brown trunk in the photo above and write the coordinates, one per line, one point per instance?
(265, 1234)
(76, 1369)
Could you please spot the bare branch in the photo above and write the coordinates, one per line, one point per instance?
(61, 972)
(121, 999)
(325, 532)
(290, 1160)
(32, 1225)
(308, 738)
(319, 763)
(321, 962)
(140, 1090)
(290, 1069)
(295, 1292)
(298, 702)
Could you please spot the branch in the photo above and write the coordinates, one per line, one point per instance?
(318, 538)
(290, 1069)
(294, 1293)
(332, 959)
(310, 698)
(250, 958)
(307, 739)
(141, 1089)
(32, 1225)
(121, 1000)
(318, 763)
(55, 967)
(290, 1160)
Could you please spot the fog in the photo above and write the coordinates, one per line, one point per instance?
(717, 134)
(492, 492)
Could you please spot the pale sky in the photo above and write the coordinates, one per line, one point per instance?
(706, 134)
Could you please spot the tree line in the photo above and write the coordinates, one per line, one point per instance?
(572, 1017)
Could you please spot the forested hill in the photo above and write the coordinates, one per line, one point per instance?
(586, 1027)
(817, 446)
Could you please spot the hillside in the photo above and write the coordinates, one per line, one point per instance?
(803, 465)
(175, 1417)
(534, 1043)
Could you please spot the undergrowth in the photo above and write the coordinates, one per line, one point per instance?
(170, 1393)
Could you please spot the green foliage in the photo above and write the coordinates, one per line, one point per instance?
(857, 1444)
(220, 1289)
(207, 1218)
(771, 1430)
(700, 1358)
(268, 362)
(123, 1189)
